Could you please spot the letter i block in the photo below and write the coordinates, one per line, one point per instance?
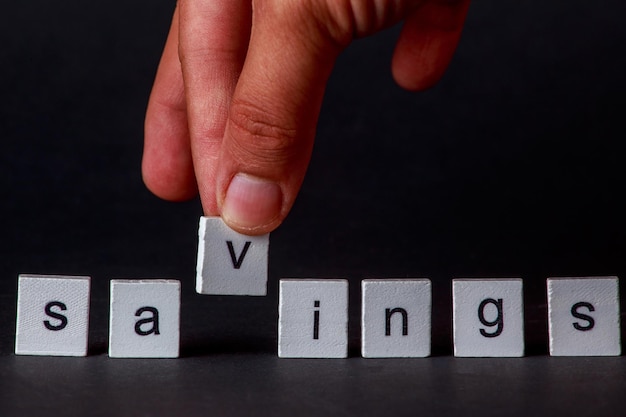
(395, 318)
(584, 316)
(230, 263)
(313, 318)
(488, 317)
(144, 318)
(52, 315)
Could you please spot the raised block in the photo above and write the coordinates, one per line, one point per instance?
(584, 316)
(488, 317)
(144, 318)
(230, 263)
(52, 315)
(395, 318)
(313, 318)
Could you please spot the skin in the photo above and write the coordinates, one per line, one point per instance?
(237, 95)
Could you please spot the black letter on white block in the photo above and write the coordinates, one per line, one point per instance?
(60, 317)
(316, 321)
(499, 321)
(405, 320)
(581, 316)
(233, 257)
(154, 320)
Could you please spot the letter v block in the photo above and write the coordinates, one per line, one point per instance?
(395, 318)
(144, 318)
(313, 318)
(584, 316)
(488, 317)
(230, 263)
(52, 315)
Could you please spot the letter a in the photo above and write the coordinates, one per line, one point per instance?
(154, 320)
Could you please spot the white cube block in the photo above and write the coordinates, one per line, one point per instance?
(395, 318)
(313, 318)
(52, 315)
(488, 317)
(144, 318)
(230, 263)
(584, 316)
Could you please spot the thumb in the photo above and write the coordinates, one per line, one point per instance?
(272, 117)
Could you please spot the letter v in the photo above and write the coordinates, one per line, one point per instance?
(233, 257)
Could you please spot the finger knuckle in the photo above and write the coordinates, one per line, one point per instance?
(260, 135)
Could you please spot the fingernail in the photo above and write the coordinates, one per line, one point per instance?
(251, 202)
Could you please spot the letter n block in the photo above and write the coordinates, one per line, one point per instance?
(313, 318)
(488, 317)
(395, 318)
(144, 318)
(584, 316)
(230, 263)
(52, 315)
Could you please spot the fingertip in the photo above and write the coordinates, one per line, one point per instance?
(427, 44)
(413, 77)
(167, 165)
(168, 178)
(169, 193)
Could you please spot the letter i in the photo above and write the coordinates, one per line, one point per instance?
(316, 321)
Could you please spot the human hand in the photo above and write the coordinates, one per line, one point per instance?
(238, 92)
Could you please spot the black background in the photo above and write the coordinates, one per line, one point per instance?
(512, 166)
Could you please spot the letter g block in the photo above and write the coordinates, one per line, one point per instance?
(488, 317)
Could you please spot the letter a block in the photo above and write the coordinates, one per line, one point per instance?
(313, 318)
(584, 316)
(488, 317)
(144, 319)
(230, 263)
(395, 318)
(52, 315)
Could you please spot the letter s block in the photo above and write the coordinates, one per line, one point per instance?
(144, 318)
(52, 315)
(584, 316)
(230, 263)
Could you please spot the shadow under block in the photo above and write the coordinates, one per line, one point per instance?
(313, 318)
(230, 263)
(144, 319)
(395, 318)
(584, 316)
(52, 315)
(488, 317)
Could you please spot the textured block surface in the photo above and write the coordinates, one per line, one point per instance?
(584, 316)
(52, 315)
(313, 318)
(395, 318)
(488, 317)
(144, 319)
(230, 263)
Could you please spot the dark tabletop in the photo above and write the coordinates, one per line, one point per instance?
(512, 166)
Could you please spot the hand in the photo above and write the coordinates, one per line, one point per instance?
(238, 92)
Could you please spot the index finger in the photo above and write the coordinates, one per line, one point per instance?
(214, 37)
